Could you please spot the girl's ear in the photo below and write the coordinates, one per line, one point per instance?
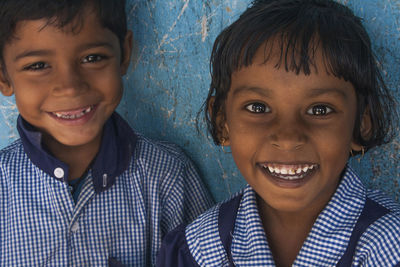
(366, 125)
(127, 47)
(220, 124)
(365, 130)
(5, 87)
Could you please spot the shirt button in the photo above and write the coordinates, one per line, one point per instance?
(59, 173)
(75, 227)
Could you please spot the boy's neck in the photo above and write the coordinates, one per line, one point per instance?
(78, 158)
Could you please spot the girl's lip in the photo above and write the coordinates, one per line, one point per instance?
(289, 175)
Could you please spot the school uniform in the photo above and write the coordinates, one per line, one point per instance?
(358, 227)
(134, 192)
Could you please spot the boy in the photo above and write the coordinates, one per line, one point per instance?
(80, 188)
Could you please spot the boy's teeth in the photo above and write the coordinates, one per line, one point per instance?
(72, 115)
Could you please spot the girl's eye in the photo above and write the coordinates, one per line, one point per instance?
(257, 108)
(37, 66)
(92, 58)
(319, 110)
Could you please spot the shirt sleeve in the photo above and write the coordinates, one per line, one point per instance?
(187, 199)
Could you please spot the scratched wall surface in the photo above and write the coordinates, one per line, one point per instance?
(169, 80)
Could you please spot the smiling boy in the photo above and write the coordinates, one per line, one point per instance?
(80, 187)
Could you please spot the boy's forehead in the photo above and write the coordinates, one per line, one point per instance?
(38, 37)
(72, 25)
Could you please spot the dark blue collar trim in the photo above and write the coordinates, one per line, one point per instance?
(32, 141)
(113, 158)
(115, 153)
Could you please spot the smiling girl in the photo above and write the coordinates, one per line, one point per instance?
(295, 92)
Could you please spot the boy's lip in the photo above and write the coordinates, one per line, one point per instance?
(289, 175)
(75, 113)
(74, 116)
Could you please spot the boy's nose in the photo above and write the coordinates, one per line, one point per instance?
(288, 136)
(69, 82)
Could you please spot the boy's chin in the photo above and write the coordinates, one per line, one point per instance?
(73, 140)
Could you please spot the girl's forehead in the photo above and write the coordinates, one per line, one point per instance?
(281, 55)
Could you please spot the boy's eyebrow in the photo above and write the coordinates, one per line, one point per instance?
(44, 52)
(33, 53)
(95, 44)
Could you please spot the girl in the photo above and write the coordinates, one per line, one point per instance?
(295, 91)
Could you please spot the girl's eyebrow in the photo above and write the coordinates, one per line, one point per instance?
(315, 92)
(244, 89)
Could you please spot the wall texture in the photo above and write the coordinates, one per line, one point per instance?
(169, 80)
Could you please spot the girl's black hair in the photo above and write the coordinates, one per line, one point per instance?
(60, 13)
(300, 27)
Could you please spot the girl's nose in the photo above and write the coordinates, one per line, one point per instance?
(69, 82)
(288, 136)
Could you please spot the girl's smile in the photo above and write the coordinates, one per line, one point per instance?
(288, 175)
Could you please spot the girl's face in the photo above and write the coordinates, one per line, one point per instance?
(290, 135)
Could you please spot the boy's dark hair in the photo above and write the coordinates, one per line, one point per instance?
(60, 13)
(299, 28)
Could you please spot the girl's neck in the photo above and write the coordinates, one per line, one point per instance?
(286, 231)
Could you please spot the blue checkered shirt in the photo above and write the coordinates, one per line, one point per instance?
(134, 193)
(379, 245)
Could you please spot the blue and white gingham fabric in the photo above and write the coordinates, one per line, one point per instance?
(40, 225)
(325, 244)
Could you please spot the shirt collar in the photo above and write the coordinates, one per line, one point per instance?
(335, 222)
(113, 158)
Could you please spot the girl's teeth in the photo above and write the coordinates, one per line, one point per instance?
(289, 173)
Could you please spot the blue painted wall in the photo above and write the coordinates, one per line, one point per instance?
(169, 80)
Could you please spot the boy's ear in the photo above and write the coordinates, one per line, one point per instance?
(220, 124)
(127, 47)
(5, 86)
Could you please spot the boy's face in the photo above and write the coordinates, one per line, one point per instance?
(290, 135)
(66, 84)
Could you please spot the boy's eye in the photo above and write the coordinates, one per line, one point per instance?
(92, 58)
(257, 108)
(319, 110)
(37, 66)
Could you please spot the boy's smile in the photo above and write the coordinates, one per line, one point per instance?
(67, 82)
(290, 135)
